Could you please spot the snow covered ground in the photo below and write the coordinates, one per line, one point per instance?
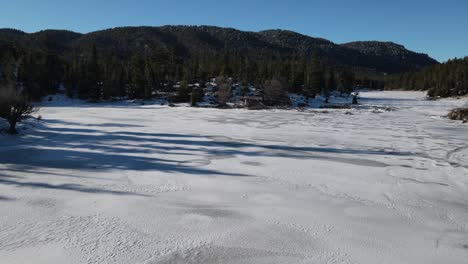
(117, 183)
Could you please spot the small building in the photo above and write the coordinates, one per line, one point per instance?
(252, 100)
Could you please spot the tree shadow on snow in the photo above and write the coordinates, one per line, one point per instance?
(5, 199)
(92, 149)
(66, 187)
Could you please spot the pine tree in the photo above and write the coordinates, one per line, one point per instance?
(315, 80)
(149, 79)
(137, 77)
(94, 81)
(52, 74)
(195, 96)
(183, 92)
(29, 75)
(346, 82)
(330, 86)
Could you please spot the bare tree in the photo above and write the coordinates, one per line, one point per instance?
(274, 93)
(14, 107)
(224, 90)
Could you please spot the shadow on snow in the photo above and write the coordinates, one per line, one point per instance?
(86, 149)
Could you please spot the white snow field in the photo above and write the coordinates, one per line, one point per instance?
(121, 183)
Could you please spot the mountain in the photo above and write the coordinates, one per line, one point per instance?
(373, 56)
(391, 55)
(379, 56)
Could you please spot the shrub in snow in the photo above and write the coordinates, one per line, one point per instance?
(275, 93)
(14, 107)
(459, 114)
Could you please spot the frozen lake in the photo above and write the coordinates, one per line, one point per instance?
(116, 183)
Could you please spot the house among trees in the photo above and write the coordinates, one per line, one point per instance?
(251, 100)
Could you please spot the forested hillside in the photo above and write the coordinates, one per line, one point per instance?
(443, 80)
(138, 62)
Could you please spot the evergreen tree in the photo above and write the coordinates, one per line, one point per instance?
(29, 75)
(315, 78)
(149, 79)
(195, 96)
(183, 92)
(346, 82)
(330, 85)
(53, 72)
(137, 77)
(443, 80)
(94, 81)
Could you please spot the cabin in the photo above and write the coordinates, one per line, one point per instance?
(252, 100)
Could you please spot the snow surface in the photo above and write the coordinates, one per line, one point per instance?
(124, 183)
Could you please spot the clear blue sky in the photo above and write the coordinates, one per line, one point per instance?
(436, 27)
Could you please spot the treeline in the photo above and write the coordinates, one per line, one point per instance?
(98, 74)
(442, 80)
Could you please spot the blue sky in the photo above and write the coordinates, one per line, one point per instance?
(439, 28)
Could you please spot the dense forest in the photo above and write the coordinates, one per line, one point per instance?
(102, 74)
(144, 62)
(443, 80)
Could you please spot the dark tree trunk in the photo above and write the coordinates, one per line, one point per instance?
(12, 129)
